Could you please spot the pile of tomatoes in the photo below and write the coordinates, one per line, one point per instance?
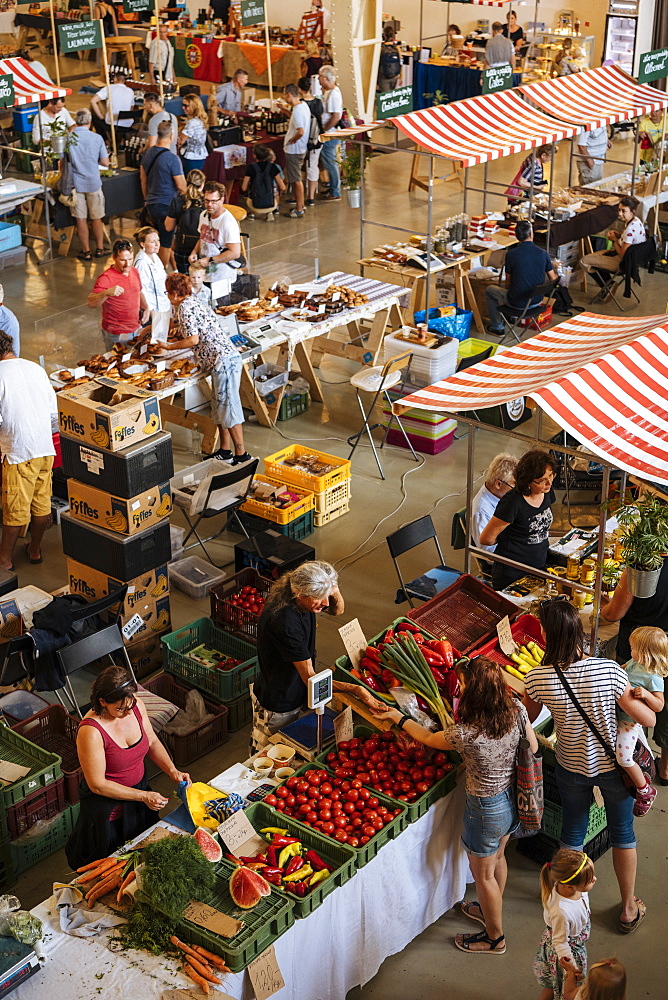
(249, 598)
(342, 809)
(401, 769)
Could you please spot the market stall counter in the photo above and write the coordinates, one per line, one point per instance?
(215, 168)
(453, 83)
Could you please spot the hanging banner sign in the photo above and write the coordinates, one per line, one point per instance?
(79, 35)
(394, 102)
(252, 12)
(136, 6)
(7, 90)
(496, 78)
(653, 65)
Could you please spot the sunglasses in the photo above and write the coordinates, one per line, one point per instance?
(544, 601)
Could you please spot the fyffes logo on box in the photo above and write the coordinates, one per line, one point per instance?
(70, 424)
(79, 586)
(83, 509)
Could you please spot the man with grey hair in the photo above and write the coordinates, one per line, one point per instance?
(9, 323)
(332, 101)
(87, 154)
(499, 480)
(230, 96)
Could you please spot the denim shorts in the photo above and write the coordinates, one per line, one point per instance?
(487, 820)
(576, 797)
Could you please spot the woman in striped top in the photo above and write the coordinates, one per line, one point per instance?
(598, 685)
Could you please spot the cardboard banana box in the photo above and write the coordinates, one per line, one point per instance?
(155, 616)
(11, 620)
(145, 655)
(92, 585)
(109, 414)
(125, 516)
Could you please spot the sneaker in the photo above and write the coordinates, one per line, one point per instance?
(310, 201)
(223, 455)
(290, 201)
(331, 197)
(644, 799)
(294, 214)
(242, 459)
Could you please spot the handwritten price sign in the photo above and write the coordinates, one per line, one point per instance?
(265, 975)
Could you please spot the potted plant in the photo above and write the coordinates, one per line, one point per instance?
(60, 139)
(645, 543)
(351, 172)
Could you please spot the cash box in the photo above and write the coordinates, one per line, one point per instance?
(108, 413)
(122, 557)
(125, 516)
(93, 585)
(124, 473)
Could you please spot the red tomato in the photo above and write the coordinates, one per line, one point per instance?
(353, 841)
(382, 811)
(364, 840)
(416, 774)
(304, 808)
(311, 817)
(386, 737)
(290, 800)
(325, 788)
(364, 793)
(422, 787)
(315, 778)
(301, 799)
(368, 832)
(337, 808)
(352, 795)
(340, 822)
(429, 772)
(335, 794)
(378, 823)
(356, 822)
(384, 774)
(341, 836)
(344, 745)
(363, 776)
(332, 758)
(326, 815)
(280, 805)
(440, 773)
(292, 782)
(254, 609)
(313, 793)
(282, 792)
(349, 807)
(328, 828)
(302, 786)
(271, 800)
(356, 783)
(325, 803)
(370, 815)
(355, 754)
(372, 802)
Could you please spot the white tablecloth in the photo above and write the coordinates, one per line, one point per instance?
(410, 883)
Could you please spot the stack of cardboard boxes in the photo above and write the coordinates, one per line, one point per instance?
(119, 462)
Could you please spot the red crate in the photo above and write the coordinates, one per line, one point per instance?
(184, 748)
(56, 731)
(42, 804)
(229, 616)
(523, 629)
(466, 613)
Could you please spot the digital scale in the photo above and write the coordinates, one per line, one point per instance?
(230, 325)
(18, 962)
(320, 689)
(314, 731)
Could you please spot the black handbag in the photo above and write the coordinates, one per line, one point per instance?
(642, 756)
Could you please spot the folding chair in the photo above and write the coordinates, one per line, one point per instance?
(513, 318)
(227, 492)
(18, 656)
(378, 380)
(458, 541)
(434, 580)
(638, 255)
(94, 647)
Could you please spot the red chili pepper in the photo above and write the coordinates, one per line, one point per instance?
(372, 653)
(233, 859)
(389, 635)
(254, 861)
(282, 841)
(316, 862)
(451, 687)
(411, 627)
(438, 676)
(444, 647)
(273, 876)
(356, 674)
(422, 704)
(301, 888)
(419, 638)
(272, 858)
(294, 865)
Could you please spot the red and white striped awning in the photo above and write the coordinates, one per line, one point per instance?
(595, 97)
(603, 379)
(30, 86)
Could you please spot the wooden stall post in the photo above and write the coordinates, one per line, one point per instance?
(266, 42)
(55, 41)
(110, 106)
(161, 83)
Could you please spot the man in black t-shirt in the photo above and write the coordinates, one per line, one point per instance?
(526, 268)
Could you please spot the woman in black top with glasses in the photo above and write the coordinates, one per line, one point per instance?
(521, 524)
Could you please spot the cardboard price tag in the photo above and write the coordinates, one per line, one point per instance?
(239, 835)
(265, 974)
(506, 641)
(343, 726)
(129, 629)
(212, 920)
(10, 772)
(354, 640)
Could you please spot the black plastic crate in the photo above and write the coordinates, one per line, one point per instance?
(541, 848)
(271, 554)
(124, 473)
(107, 551)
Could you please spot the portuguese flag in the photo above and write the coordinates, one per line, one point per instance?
(197, 58)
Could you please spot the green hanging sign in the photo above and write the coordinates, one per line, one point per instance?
(653, 65)
(496, 78)
(136, 6)
(79, 35)
(252, 12)
(7, 90)
(391, 103)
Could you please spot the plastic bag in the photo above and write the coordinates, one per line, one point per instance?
(407, 702)
(458, 327)
(19, 924)
(189, 718)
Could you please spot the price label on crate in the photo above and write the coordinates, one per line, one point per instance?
(506, 641)
(239, 835)
(129, 629)
(354, 640)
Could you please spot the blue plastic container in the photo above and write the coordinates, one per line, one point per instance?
(23, 117)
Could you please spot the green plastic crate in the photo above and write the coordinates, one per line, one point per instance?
(389, 832)
(29, 851)
(552, 816)
(420, 806)
(298, 529)
(294, 404)
(239, 713)
(264, 924)
(261, 815)
(6, 871)
(226, 685)
(44, 767)
(342, 665)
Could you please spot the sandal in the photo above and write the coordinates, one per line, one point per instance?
(85, 255)
(102, 253)
(34, 562)
(496, 947)
(629, 926)
(467, 907)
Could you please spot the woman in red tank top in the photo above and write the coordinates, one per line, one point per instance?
(113, 741)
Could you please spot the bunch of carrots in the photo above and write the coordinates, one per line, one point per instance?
(197, 964)
(110, 873)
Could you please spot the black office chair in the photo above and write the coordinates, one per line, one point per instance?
(108, 642)
(434, 580)
(227, 492)
(513, 317)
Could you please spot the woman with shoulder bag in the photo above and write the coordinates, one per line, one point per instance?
(582, 693)
(489, 727)
(183, 216)
(192, 139)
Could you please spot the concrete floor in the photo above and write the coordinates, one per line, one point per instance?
(50, 302)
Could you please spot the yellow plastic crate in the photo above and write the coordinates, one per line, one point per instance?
(287, 514)
(472, 345)
(274, 467)
(333, 497)
(322, 519)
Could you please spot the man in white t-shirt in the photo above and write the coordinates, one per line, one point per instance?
(161, 54)
(28, 419)
(499, 480)
(52, 112)
(295, 144)
(592, 146)
(219, 244)
(332, 100)
(119, 99)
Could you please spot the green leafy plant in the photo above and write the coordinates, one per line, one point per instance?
(174, 872)
(57, 130)
(645, 541)
(352, 164)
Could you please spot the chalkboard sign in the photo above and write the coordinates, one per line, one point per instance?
(79, 35)
(394, 102)
(7, 90)
(252, 12)
(497, 78)
(653, 65)
(136, 6)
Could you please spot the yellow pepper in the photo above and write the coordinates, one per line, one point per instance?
(318, 877)
(514, 672)
(276, 830)
(299, 876)
(289, 852)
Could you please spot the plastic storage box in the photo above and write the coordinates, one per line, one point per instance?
(19, 705)
(184, 748)
(124, 473)
(226, 685)
(274, 466)
(121, 557)
(197, 477)
(274, 377)
(10, 236)
(194, 576)
(240, 713)
(300, 528)
(13, 257)
(44, 768)
(55, 730)
(176, 536)
(428, 365)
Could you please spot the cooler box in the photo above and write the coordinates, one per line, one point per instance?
(121, 557)
(124, 473)
(271, 554)
(24, 117)
(10, 236)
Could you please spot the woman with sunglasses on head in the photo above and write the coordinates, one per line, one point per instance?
(113, 741)
(489, 726)
(521, 524)
(598, 686)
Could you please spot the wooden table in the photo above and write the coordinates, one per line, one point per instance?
(126, 44)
